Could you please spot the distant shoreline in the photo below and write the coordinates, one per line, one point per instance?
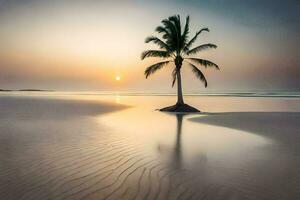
(26, 90)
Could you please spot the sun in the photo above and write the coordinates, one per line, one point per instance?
(118, 78)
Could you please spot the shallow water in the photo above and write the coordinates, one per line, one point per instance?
(118, 147)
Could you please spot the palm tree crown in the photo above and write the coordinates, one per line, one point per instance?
(175, 47)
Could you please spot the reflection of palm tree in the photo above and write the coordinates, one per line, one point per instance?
(177, 152)
(176, 48)
(177, 160)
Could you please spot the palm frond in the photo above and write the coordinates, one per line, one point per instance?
(189, 44)
(157, 41)
(205, 63)
(176, 20)
(177, 24)
(169, 25)
(174, 39)
(166, 33)
(201, 48)
(184, 36)
(198, 74)
(153, 68)
(174, 76)
(155, 53)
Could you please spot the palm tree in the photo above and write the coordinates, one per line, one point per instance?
(175, 47)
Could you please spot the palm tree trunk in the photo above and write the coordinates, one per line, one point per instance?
(179, 89)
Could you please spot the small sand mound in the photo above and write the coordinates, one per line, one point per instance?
(179, 108)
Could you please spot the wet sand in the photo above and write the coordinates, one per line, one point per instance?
(83, 147)
(279, 174)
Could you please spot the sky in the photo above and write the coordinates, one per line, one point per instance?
(86, 44)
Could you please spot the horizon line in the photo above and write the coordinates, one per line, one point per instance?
(290, 94)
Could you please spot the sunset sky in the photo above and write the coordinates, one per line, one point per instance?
(86, 44)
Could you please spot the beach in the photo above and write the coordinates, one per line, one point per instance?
(89, 146)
